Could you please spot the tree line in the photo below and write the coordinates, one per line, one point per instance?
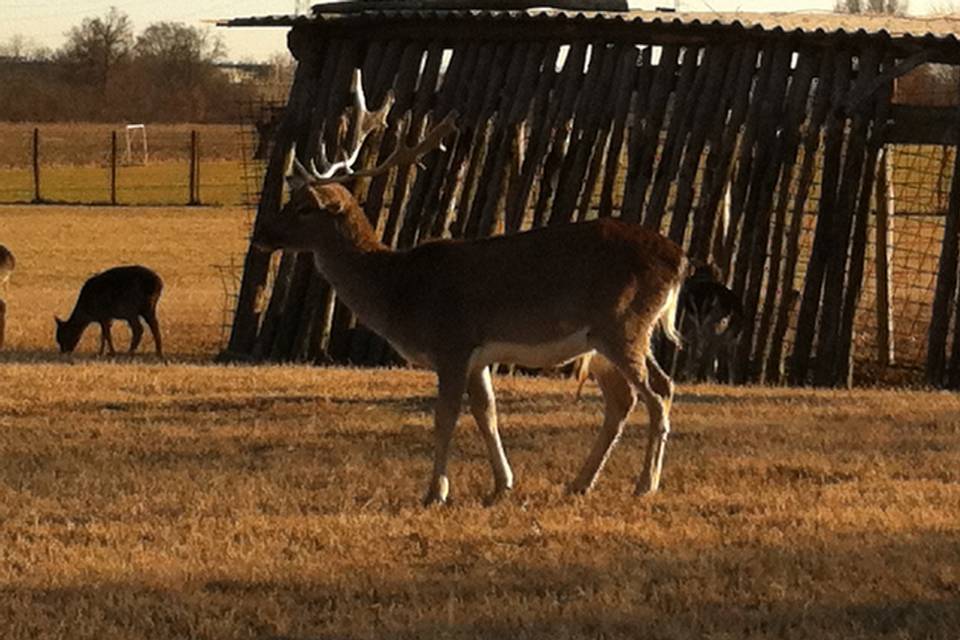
(105, 72)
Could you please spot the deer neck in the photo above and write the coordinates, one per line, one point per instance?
(356, 264)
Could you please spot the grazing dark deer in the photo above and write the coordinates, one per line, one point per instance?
(122, 293)
(7, 263)
(457, 306)
(711, 321)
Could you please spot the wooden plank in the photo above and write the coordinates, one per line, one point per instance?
(482, 208)
(685, 93)
(464, 191)
(883, 266)
(881, 98)
(823, 243)
(643, 147)
(600, 127)
(413, 116)
(469, 101)
(811, 144)
(553, 147)
(718, 71)
(777, 111)
(797, 101)
(745, 169)
(511, 147)
(247, 320)
(945, 296)
(830, 362)
(723, 138)
(426, 188)
(542, 115)
(586, 120)
(403, 85)
(621, 101)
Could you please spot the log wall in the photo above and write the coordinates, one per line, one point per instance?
(557, 126)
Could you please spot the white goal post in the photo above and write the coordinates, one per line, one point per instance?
(131, 134)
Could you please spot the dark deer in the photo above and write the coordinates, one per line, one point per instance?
(7, 263)
(712, 320)
(122, 293)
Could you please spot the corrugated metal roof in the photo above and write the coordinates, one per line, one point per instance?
(940, 28)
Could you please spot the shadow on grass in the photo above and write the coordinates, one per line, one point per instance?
(841, 590)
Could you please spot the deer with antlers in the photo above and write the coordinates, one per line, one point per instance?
(537, 298)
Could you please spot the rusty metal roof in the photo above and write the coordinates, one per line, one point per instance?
(943, 29)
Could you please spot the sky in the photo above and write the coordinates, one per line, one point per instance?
(44, 22)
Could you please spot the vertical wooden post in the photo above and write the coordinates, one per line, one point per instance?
(886, 206)
(194, 169)
(945, 295)
(113, 167)
(36, 165)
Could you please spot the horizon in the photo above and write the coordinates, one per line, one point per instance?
(42, 23)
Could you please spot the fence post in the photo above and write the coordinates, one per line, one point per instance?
(113, 167)
(194, 169)
(885, 199)
(36, 165)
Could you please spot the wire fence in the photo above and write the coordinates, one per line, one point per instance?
(120, 165)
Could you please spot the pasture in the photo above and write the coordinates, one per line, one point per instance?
(148, 500)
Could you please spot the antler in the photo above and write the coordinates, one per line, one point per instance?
(366, 123)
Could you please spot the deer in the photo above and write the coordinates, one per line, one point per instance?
(536, 298)
(711, 321)
(7, 263)
(121, 293)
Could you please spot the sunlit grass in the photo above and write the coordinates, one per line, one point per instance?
(185, 500)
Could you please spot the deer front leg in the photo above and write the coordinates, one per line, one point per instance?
(105, 338)
(484, 409)
(136, 333)
(451, 385)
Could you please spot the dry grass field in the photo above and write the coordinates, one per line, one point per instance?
(58, 248)
(186, 500)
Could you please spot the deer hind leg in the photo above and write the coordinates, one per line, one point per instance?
(451, 384)
(136, 333)
(151, 317)
(653, 386)
(484, 409)
(619, 399)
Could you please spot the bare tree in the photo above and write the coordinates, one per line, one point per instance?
(886, 7)
(184, 54)
(20, 48)
(98, 45)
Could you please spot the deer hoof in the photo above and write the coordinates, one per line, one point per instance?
(438, 493)
(498, 496)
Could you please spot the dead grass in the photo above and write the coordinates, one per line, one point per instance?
(281, 502)
(58, 248)
(141, 500)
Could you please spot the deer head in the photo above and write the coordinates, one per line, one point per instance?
(319, 206)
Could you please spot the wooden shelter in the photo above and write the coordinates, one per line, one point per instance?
(760, 143)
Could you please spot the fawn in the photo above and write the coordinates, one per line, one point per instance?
(122, 293)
